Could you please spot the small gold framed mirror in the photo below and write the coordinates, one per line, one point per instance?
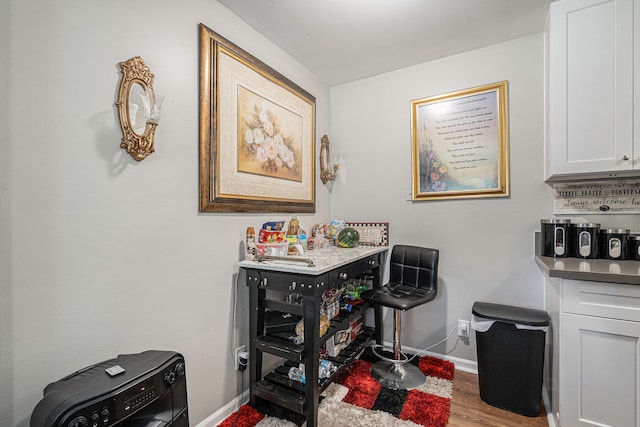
(328, 171)
(138, 108)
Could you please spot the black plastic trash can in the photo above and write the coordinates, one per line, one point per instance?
(510, 344)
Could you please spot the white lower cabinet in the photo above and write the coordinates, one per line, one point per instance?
(599, 354)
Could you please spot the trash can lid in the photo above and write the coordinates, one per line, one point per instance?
(510, 314)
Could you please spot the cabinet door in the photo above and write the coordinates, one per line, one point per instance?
(599, 372)
(591, 86)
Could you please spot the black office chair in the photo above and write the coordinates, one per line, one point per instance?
(413, 281)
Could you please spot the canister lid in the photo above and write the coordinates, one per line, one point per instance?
(616, 231)
(555, 221)
(587, 225)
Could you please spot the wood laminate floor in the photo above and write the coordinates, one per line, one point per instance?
(468, 410)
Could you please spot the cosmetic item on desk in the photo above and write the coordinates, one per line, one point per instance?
(320, 236)
(302, 240)
(292, 235)
(251, 243)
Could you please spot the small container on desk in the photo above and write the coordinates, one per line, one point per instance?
(555, 237)
(272, 249)
(634, 246)
(614, 244)
(585, 240)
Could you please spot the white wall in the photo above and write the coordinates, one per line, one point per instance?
(486, 245)
(100, 255)
(6, 379)
(108, 255)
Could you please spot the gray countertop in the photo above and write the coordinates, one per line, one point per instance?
(594, 270)
(591, 270)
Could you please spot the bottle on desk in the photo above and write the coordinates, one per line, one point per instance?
(302, 240)
(292, 235)
(251, 243)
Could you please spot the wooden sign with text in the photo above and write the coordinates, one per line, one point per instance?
(597, 197)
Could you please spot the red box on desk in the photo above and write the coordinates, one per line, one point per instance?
(343, 338)
(356, 326)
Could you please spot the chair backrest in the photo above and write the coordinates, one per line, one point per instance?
(414, 266)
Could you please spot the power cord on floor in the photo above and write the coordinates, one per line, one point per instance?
(433, 345)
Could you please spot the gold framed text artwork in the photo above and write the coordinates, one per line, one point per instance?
(257, 134)
(460, 144)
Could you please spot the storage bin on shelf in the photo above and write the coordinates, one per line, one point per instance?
(272, 249)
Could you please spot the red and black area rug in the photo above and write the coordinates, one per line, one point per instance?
(358, 399)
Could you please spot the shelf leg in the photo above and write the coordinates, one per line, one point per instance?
(311, 307)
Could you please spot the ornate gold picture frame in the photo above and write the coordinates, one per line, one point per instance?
(257, 134)
(460, 144)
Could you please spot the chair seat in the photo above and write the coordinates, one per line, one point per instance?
(397, 296)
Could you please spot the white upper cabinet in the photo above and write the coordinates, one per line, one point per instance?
(591, 89)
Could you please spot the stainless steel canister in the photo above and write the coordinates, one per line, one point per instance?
(634, 247)
(585, 240)
(555, 237)
(614, 243)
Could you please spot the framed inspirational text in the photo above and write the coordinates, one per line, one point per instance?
(460, 144)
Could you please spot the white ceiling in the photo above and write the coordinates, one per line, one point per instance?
(345, 40)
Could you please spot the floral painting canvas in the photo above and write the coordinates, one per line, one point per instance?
(269, 138)
(257, 134)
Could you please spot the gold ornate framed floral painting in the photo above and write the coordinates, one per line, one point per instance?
(257, 134)
(460, 144)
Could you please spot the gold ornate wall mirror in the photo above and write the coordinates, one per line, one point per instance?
(328, 171)
(138, 108)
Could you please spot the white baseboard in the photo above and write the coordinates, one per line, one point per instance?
(551, 418)
(228, 409)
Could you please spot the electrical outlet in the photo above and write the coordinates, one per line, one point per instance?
(463, 328)
(239, 350)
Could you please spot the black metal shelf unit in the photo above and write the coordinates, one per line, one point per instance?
(276, 387)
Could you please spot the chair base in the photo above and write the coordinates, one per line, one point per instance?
(397, 375)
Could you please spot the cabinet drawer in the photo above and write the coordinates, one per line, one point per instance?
(612, 300)
(353, 270)
(286, 282)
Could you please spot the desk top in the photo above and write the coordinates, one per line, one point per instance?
(325, 259)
